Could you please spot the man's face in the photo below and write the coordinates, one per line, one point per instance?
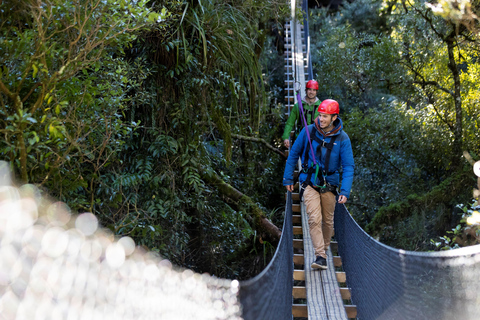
(326, 120)
(311, 93)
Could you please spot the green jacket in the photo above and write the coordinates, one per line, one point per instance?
(309, 109)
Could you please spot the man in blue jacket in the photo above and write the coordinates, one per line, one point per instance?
(320, 178)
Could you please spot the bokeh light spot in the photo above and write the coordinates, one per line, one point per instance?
(87, 223)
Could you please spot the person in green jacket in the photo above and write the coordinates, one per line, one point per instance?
(310, 105)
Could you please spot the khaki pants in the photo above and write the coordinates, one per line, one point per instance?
(320, 209)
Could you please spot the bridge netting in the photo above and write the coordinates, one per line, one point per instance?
(269, 294)
(389, 283)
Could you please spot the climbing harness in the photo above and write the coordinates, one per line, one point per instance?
(324, 186)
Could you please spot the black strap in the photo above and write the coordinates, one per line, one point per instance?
(321, 143)
(309, 114)
(311, 170)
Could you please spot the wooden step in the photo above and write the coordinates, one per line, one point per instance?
(299, 311)
(337, 261)
(345, 293)
(299, 292)
(298, 243)
(300, 275)
(295, 196)
(341, 276)
(296, 207)
(298, 259)
(351, 311)
(297, 230)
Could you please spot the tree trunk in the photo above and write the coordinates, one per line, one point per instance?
(256, 216)
(457, 134)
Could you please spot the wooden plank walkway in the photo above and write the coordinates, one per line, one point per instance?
(323, 293)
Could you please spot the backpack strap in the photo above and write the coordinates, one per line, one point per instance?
(324, 187)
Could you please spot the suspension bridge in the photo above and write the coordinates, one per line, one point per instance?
(368, 280)
(57, 266)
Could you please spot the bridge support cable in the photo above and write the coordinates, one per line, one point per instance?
(268, 296)
(388, 283)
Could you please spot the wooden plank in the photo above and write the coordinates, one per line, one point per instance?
(346, 294)
(296, 207)
(351, 311)
(299, 311)
(299, 275)
(297, 230)
(341, 276)
(337, 261)
(295, 196)
(299, 292)
(298, 243)
(298, 259)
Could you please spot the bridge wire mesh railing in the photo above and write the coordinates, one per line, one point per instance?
(388, 283)
(269, 294)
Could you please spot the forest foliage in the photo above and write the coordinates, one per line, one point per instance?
(165, 118)
(407, 79)
(128, 109)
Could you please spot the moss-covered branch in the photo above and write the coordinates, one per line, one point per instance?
(443, 193)
(256, 216)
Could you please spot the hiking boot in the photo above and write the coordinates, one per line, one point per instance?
(320, 263)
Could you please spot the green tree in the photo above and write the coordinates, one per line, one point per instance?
(43, 48)
(406, 84)
(440, 56)
(178, 183)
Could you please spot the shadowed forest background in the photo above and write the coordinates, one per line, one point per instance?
(164, 118)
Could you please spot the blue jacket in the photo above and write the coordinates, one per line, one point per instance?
(341, 156)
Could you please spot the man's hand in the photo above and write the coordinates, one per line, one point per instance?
(290, 188)
(342, 199)
(286, 142)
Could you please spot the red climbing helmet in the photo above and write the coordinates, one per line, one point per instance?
(312, 84)
(329, 106)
